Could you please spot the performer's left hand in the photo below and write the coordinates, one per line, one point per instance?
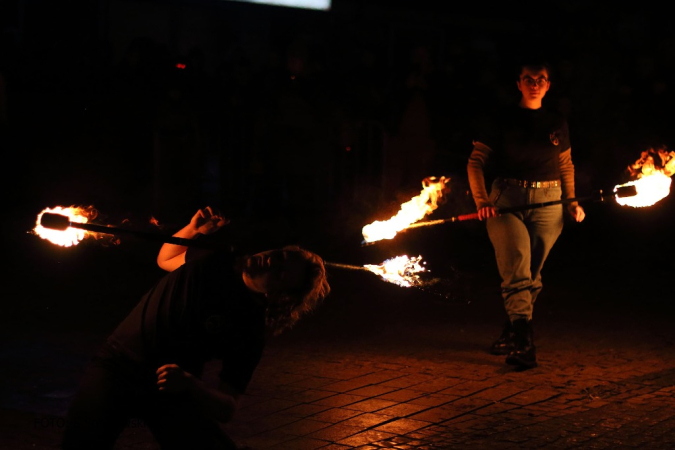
(172, 378)
(577, 212)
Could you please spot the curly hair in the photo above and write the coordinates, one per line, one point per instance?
(290, 306)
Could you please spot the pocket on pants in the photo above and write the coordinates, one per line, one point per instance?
(496, 191)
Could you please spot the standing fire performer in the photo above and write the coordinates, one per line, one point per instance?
(529, 152)
(212, 305)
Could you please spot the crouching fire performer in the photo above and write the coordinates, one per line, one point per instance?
(529, 150)
(214, 304)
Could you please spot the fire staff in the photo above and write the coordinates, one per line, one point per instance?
(212, 305)
(527, 148)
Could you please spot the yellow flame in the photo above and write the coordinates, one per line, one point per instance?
(410, 212)
(400, 270)
(650, 189)
(70, 236)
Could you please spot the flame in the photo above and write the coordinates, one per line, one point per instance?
(410, 212)
(400, 270)
(70, 236)
(653, 171)
(650, 189)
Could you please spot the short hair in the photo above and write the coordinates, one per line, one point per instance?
(292, 305)
(532, 63)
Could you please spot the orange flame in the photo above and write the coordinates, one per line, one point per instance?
(410, 212)
(400, 270)
(653, 178)
(650, 189)
(70, 236)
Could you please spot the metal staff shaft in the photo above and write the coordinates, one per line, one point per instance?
(60, 222)
(619, 191)
(474, 216)
(344, 266)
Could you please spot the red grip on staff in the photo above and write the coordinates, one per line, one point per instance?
(472, 216)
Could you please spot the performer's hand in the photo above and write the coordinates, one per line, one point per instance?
(206, 221)
(171, 378)
(486, 212)
(577, 212)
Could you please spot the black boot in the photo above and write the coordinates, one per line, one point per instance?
(504, 344)
(524, 354)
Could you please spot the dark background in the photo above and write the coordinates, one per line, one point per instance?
(302, 127)
(288, 112)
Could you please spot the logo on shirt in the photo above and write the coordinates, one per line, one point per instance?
(554, 139)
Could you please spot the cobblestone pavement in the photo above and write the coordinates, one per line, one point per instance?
(421, 378)
(380, 366)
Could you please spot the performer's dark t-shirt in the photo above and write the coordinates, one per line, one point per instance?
(526, 142)
(199, 312)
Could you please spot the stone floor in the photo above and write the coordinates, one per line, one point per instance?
(382, 366)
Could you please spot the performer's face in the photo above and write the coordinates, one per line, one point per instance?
(275, 271)
(533, 84)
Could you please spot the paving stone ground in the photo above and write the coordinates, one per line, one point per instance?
(381, 366)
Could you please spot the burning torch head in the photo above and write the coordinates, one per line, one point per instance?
(54, 221)
(625, 191)
(57, 224)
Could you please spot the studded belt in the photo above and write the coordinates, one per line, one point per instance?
(532, 184)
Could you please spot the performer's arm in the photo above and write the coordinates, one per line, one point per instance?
(205, 221)
(567, 179)
(475, 170)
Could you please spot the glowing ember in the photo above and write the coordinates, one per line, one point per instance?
(70, 236)
(400, 270)
(650, 189)
(410, 212)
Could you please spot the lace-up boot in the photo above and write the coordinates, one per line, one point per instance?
(504, 344)
(523, 356)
